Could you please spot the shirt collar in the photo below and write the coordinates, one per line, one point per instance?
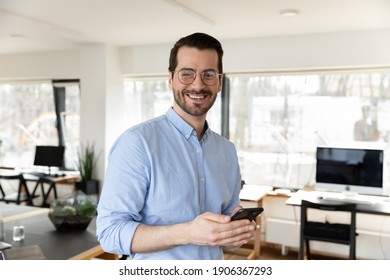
(184, 128)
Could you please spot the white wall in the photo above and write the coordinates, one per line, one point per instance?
(93, 84)
(43, 65)
(316, 51)
(330, 50)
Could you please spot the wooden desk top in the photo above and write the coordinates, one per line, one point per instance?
(66, 179)
(13, 212)
(8, 172)
(62, 178)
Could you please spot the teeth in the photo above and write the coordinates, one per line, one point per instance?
(196, 96)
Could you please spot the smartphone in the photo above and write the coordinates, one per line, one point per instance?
(247, 213)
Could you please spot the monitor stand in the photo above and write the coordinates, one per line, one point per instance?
(349, 194)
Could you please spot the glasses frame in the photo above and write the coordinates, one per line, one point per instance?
(218, 75)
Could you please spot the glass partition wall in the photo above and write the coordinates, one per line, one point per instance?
(278, 119)
(38, 113)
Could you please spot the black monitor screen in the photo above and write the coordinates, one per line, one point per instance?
(49, 156)
(358, 167)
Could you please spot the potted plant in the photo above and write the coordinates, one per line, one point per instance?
(72, 212)
(87, 160)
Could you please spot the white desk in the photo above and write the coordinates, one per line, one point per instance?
(379, 205)
(13, 212)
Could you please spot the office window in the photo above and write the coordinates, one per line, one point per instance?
(70, 120)
(28, 118)
(151, 97)
(277, 120)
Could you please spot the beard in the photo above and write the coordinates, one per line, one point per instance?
(194, 109)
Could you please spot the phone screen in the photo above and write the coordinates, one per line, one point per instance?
(247, 213)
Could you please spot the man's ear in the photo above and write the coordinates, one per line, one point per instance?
(170, 80)
(220, 84)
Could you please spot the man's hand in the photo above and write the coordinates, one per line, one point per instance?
(217, 230)
(207, 229)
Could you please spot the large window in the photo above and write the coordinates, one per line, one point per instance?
(38, 113)
(151, 97)
(277, 120)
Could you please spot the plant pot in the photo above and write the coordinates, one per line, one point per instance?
(72, 212)
(88, 187)
(65, 223)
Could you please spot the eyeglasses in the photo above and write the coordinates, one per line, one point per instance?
(187, 76)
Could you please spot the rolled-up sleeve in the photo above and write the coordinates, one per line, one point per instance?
(123, 195)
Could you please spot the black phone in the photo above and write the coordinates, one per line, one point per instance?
(247, 213)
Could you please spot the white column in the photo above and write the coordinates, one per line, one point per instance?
(101, 89)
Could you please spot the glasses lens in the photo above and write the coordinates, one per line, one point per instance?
(186, 76)
(209, 77)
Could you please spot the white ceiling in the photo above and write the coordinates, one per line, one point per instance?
(41, 25)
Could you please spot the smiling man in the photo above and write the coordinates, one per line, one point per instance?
(172, 183)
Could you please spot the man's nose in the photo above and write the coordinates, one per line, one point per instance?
(198, 82)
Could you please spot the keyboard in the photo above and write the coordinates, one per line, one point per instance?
(37, 174)
(355, 200)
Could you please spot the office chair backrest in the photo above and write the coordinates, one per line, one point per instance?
(336, 233)
(22, 195)
(347, 207)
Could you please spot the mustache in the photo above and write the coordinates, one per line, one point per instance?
(193, 92)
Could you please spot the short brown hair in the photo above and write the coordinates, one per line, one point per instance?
(200, 41)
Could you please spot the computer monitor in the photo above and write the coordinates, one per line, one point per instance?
(49, 156)
(353, 170)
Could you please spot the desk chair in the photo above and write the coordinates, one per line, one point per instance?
(52, 187)
(22, 195)
(327, 232)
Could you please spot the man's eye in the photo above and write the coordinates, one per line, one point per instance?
(208, 75)
(187, 74)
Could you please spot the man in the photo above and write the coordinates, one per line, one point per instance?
(171, 183)
(366, 129)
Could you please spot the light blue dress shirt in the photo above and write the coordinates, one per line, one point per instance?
(159, 173)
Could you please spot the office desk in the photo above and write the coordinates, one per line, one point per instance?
(21, 195)
(13, 212)
(52, 182)
(379, 206)
(252, 196)
(56, 245)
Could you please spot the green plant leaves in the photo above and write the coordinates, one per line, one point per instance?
(87, 161)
